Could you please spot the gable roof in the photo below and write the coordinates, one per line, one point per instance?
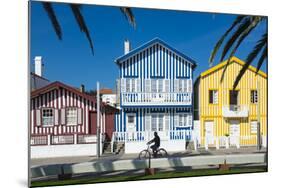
(232, 60)
(149, 43)
(57, 85)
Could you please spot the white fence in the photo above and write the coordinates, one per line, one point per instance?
(230, 141)
(37, 140)
(156, 98)
(148, 135)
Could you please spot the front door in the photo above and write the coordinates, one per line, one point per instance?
(93, 122)
(234, 131)
(131, 122)
(209, 132)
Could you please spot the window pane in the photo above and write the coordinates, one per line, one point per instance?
(131, 119)
(160, 86)
(154, 123)
(161, 120)
(47, 117)
(211, 96)
(153, 86)
(71, 116)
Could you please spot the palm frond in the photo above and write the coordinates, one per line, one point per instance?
(53, 18)
(262, 58)
(81, 23)
(244, 34)
(127, 12)
(244, 25)
(259, 46)
(219, 43)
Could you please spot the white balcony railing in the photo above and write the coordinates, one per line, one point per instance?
(235, 111)
(156, 98)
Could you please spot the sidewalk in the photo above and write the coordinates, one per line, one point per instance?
(113, 157)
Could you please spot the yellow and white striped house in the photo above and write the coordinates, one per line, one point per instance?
(229, 117)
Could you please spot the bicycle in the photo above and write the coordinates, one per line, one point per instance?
(147, 153)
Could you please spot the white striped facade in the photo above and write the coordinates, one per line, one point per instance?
(60, 98)
(155, 86)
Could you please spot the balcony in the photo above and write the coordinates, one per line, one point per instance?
(156, 99)
(232, 111)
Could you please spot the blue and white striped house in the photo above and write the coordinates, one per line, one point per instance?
(155, 94)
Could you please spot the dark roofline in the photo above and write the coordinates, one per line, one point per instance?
(57, 85)
(155, 40)
(32, 73)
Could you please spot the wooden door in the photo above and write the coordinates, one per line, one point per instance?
(109, 126)
(234, 131)
(93, 122)
(209, 132)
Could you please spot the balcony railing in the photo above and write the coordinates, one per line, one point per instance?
(156, 99)
(235, 111)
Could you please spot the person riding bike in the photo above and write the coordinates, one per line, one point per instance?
(156, 141)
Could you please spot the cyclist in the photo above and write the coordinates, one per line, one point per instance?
(156, 141)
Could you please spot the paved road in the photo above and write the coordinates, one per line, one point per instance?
(113, 157)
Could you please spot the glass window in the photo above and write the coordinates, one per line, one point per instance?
(71, 116)
(133, 85)
(131, 119)
(160, 122)
(47, 117)
(127, 85)
(184, 120)
(213, 96)
(254, 96)
(154, 86)
(154, 123)
(160, 86)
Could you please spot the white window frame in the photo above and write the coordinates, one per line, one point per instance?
(183, 85)
(48, 121)
(155, 85)
(184, 120)
(73, 115)
(158, 118)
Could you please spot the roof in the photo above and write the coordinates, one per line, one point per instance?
(233, 59)
(151, 42)
(106, 91)
(35, 75)
(57, 85)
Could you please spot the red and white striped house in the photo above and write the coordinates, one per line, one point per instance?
(63, 121)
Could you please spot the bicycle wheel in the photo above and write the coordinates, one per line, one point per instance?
(144, 154)
(162, 153)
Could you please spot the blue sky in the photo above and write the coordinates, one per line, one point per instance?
(71, 61)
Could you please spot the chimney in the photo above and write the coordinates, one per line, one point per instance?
(127, 46)
(82, 88)
(38, 65)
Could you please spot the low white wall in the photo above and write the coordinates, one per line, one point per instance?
(67, 150)
(168, 145)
